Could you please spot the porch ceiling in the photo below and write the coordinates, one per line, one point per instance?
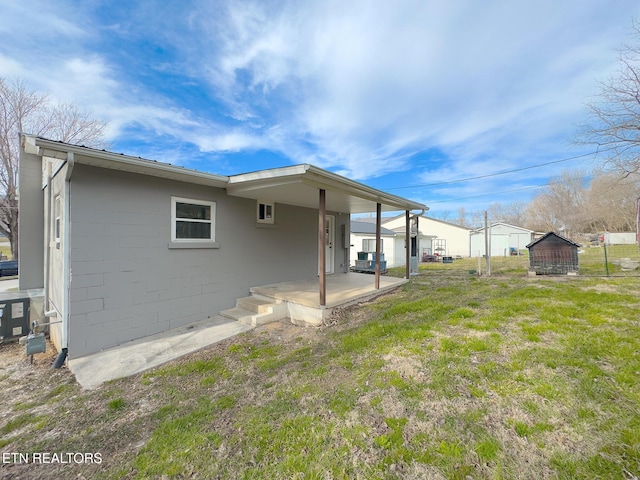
(299, 185)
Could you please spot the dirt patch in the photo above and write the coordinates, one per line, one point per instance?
(21, 379)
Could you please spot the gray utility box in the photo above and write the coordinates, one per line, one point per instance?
(14, 317)
(36, 343)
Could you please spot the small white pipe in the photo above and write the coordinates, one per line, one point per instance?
(66, 252)
(47, 236)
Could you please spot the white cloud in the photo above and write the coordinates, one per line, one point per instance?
(368, 82)
(357, 86)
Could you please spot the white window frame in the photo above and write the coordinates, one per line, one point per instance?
(57, 220)
(192, 242)
(269, 220)
(370, 241)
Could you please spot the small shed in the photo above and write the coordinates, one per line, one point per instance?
(553, 254)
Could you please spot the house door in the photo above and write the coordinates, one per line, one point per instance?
(329, 241)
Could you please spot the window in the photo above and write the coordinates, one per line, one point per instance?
(57, 216)
(192, 220)
(266, 212)
(369, 245)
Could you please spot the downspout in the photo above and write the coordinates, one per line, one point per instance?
(67, 250)
(66, 268)
(378, 252)
(48, 311)
(416, 216)
(407, 245)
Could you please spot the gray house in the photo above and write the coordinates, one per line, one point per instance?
(125, 247)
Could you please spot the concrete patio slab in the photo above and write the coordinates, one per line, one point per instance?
(139, 355)
(302, 298)
(342, 289)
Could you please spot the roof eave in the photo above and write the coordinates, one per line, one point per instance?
(115, 161)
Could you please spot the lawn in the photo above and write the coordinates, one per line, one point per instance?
(452, 376)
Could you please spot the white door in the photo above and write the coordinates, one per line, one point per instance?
(329, 241)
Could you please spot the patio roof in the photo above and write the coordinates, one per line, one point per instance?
(299, 185)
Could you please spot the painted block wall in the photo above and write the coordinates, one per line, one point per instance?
(126, 283)
(31, 222)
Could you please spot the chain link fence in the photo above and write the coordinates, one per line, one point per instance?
(593, 260)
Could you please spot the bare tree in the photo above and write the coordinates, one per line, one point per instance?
(613, 124)
(574, 205)
(611, 203)
(24, 111)
(443, 215)
(462, 217)
(561, 207)
(511, 213)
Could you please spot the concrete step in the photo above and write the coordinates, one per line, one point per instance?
(256, 304)
(240, 315)
(256, 310)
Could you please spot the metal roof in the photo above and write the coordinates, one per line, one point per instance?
(295, 185)
(369, 228)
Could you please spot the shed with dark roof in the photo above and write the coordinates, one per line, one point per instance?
(553, 254)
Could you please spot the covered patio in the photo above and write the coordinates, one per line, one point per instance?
(315, 188)
(303, 302)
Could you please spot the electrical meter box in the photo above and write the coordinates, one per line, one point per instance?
(14, 318)
(36, 343)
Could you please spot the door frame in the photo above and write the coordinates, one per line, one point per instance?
(330, 242)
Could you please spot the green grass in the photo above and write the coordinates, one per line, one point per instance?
(449, 377)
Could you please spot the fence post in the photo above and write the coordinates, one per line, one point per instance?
(606, 260)
(486, 245)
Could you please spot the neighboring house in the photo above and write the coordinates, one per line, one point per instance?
(618, 238)
(504, 240)
(363, 239)
(436, 237)
(553, 254)
(125, 247)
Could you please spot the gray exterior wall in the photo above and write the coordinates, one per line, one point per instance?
(57, 254)
(126, 283)
(31, 222)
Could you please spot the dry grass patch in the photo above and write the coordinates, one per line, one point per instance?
(448, 377)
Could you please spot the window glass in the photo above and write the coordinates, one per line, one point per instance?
(192, 220)
(57, 219)
(193, 230)
(190, 210)
(265, 212)
(369, 244)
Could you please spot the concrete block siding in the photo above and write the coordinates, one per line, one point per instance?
(127, 283)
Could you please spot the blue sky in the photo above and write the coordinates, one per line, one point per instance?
(400, 95)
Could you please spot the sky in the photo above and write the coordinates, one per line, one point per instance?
(415, 97)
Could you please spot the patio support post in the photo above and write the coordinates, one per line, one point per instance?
(322, 249)
(407, 246)
(378, 233)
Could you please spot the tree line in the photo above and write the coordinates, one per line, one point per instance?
(575, 202)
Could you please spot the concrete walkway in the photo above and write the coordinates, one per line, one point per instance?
(9, 284)
(139, 355)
